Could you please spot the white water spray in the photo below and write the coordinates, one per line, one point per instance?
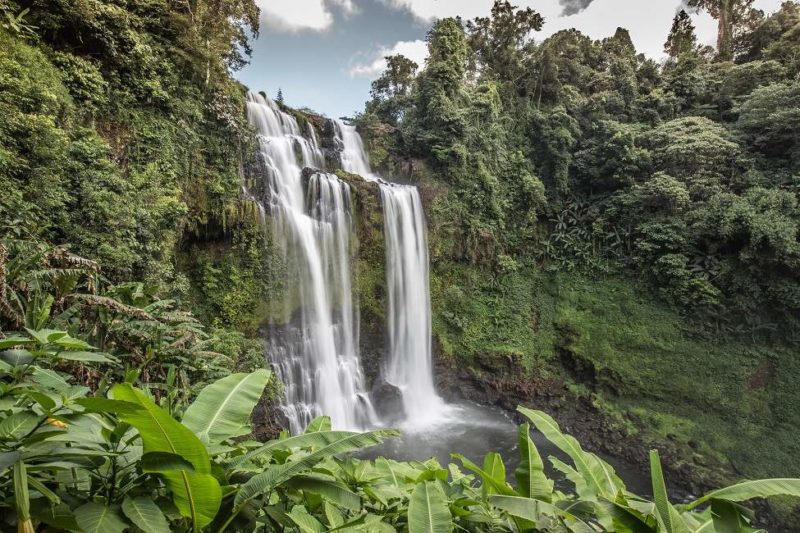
(317, 360)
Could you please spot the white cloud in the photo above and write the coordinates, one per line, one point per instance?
(416, 51)
(297, 15)
(649, 21)
(433, 9)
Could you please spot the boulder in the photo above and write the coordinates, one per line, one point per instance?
(387, 400)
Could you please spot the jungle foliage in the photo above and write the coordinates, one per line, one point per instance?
(122, 139)
(122, 133)
(594, 208)
(132, 273)
(118, 415)
(683, 173)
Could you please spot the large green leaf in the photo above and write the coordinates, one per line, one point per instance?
(197, 495)
(498, 484)
(46, 336)
(581, 486)
(222, 410)
(389, 472)
(145, 514)
(535, 511)
(321, 423)
(97, 518)
(599, 476)
(304, 521)
(59, 516)
(277, 474)
(333, 515)
(333, 491)
(748, 490)
(314, 440)
(18, 425)
(729, 517)
(494, 466)
(105, 405)
(531, 479)
(86, 357)
(668, 517)
(14, 340)
(628, 519)
(50, 379)
(164, 462)
(47, 401)
(428, 511)
(159, 431)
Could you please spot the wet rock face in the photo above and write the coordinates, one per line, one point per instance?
(388, 402)
(502, 382)
(331, 149)
(268, 419)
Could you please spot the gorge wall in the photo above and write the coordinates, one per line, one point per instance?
(496, 341)
(599, 353)
(612, 362)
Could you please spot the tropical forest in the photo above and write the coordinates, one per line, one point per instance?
(537, 280)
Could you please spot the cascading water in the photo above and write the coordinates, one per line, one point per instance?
(316, 353)
(317, 359)
(409, 362)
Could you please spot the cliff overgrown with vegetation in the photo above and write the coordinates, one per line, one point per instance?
(625, 227)
(122, 139)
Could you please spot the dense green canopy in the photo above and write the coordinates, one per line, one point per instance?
(690, 167)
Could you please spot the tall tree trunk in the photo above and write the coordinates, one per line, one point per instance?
(725, 31)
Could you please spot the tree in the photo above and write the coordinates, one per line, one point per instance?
(396, 79)
(696, 150)
(734, 19)
(438, 121)
(279, 98)
(621, 61)
(390, 91)
(768, 121)
(778, 38)
(498, 41)
(682, 39)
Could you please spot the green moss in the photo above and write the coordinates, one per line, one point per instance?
(231, 280)
(480, 314)
(717, 395)
(370, 251)
(631, 355)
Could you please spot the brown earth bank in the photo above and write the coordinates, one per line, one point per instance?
(507, 385)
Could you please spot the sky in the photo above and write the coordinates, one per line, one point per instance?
(324, 54)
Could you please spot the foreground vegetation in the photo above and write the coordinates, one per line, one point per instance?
(129, 457)
(126, 437)
(631, 356)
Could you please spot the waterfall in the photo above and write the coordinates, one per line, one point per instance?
(316, 359)
(409, 363)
